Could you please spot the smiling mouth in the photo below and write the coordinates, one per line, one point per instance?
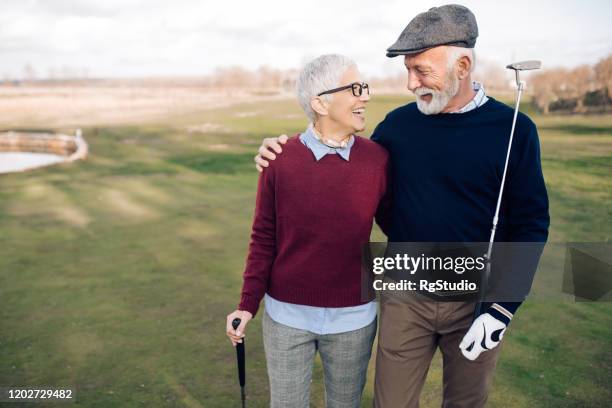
(426, 97)
(359, 112)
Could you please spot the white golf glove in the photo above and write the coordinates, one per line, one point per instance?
(485, 334)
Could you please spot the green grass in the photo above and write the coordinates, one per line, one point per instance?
(116, 273)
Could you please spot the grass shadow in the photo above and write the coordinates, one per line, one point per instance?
(216, 163)
(579, 130)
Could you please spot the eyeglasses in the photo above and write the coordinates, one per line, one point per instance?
(356, 87)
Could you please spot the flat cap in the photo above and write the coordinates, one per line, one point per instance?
(451, 24)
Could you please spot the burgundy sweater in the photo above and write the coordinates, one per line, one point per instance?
(311, 221)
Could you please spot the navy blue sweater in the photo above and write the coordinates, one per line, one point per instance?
(447, 171)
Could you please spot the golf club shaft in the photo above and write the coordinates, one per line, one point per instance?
(485, 279)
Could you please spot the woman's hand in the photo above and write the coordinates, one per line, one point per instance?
(237, 335)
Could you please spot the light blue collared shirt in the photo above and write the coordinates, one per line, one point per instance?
(321, 320)
(319, 149)
(477, 101)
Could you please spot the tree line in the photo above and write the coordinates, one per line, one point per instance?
(584, 89)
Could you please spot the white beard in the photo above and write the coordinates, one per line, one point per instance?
(439, 99)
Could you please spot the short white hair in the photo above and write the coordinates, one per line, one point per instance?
(321, 74)
(453, 53)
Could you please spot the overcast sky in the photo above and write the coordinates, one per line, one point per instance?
(193, 37)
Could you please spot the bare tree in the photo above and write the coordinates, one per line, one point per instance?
(570, 89)
(603, 73)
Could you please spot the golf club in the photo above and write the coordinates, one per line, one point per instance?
(517, 67)
(241, 364)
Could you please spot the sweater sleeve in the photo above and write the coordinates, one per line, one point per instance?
(524, 210)
(525, 204)
(262, 248)
(379, 131)
(384, 212)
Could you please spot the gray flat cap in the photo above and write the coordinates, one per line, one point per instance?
(451, 24)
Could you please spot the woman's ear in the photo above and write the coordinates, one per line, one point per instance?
(465, 66)
(319, 106)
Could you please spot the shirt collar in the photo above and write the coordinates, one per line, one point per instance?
(477, 101)
(319, 149)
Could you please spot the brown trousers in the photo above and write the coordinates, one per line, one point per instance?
(410, 332)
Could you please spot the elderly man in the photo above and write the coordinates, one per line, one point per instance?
(447, 152)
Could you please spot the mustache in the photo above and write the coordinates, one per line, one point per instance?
(422, 91)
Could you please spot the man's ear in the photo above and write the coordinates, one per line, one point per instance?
(319, 106)
(464, 65)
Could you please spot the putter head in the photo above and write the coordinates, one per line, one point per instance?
(525, 65)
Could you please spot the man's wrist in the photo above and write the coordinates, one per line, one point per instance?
(500, 313)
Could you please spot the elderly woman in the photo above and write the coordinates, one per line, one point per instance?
(313, 213)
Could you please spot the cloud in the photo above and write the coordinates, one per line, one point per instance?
(192, 37)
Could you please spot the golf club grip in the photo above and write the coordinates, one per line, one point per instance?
(236, 323)
(240, 355)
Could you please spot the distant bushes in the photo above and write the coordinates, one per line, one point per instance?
(584, 89)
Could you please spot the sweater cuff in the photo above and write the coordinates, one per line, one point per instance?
(250, 304)
(503, 311)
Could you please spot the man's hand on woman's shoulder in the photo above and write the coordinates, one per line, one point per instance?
(266, 151)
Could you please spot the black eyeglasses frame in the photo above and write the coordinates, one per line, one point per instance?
(356, 87)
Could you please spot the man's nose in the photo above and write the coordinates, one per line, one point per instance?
(413, 82)
(365, 96)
